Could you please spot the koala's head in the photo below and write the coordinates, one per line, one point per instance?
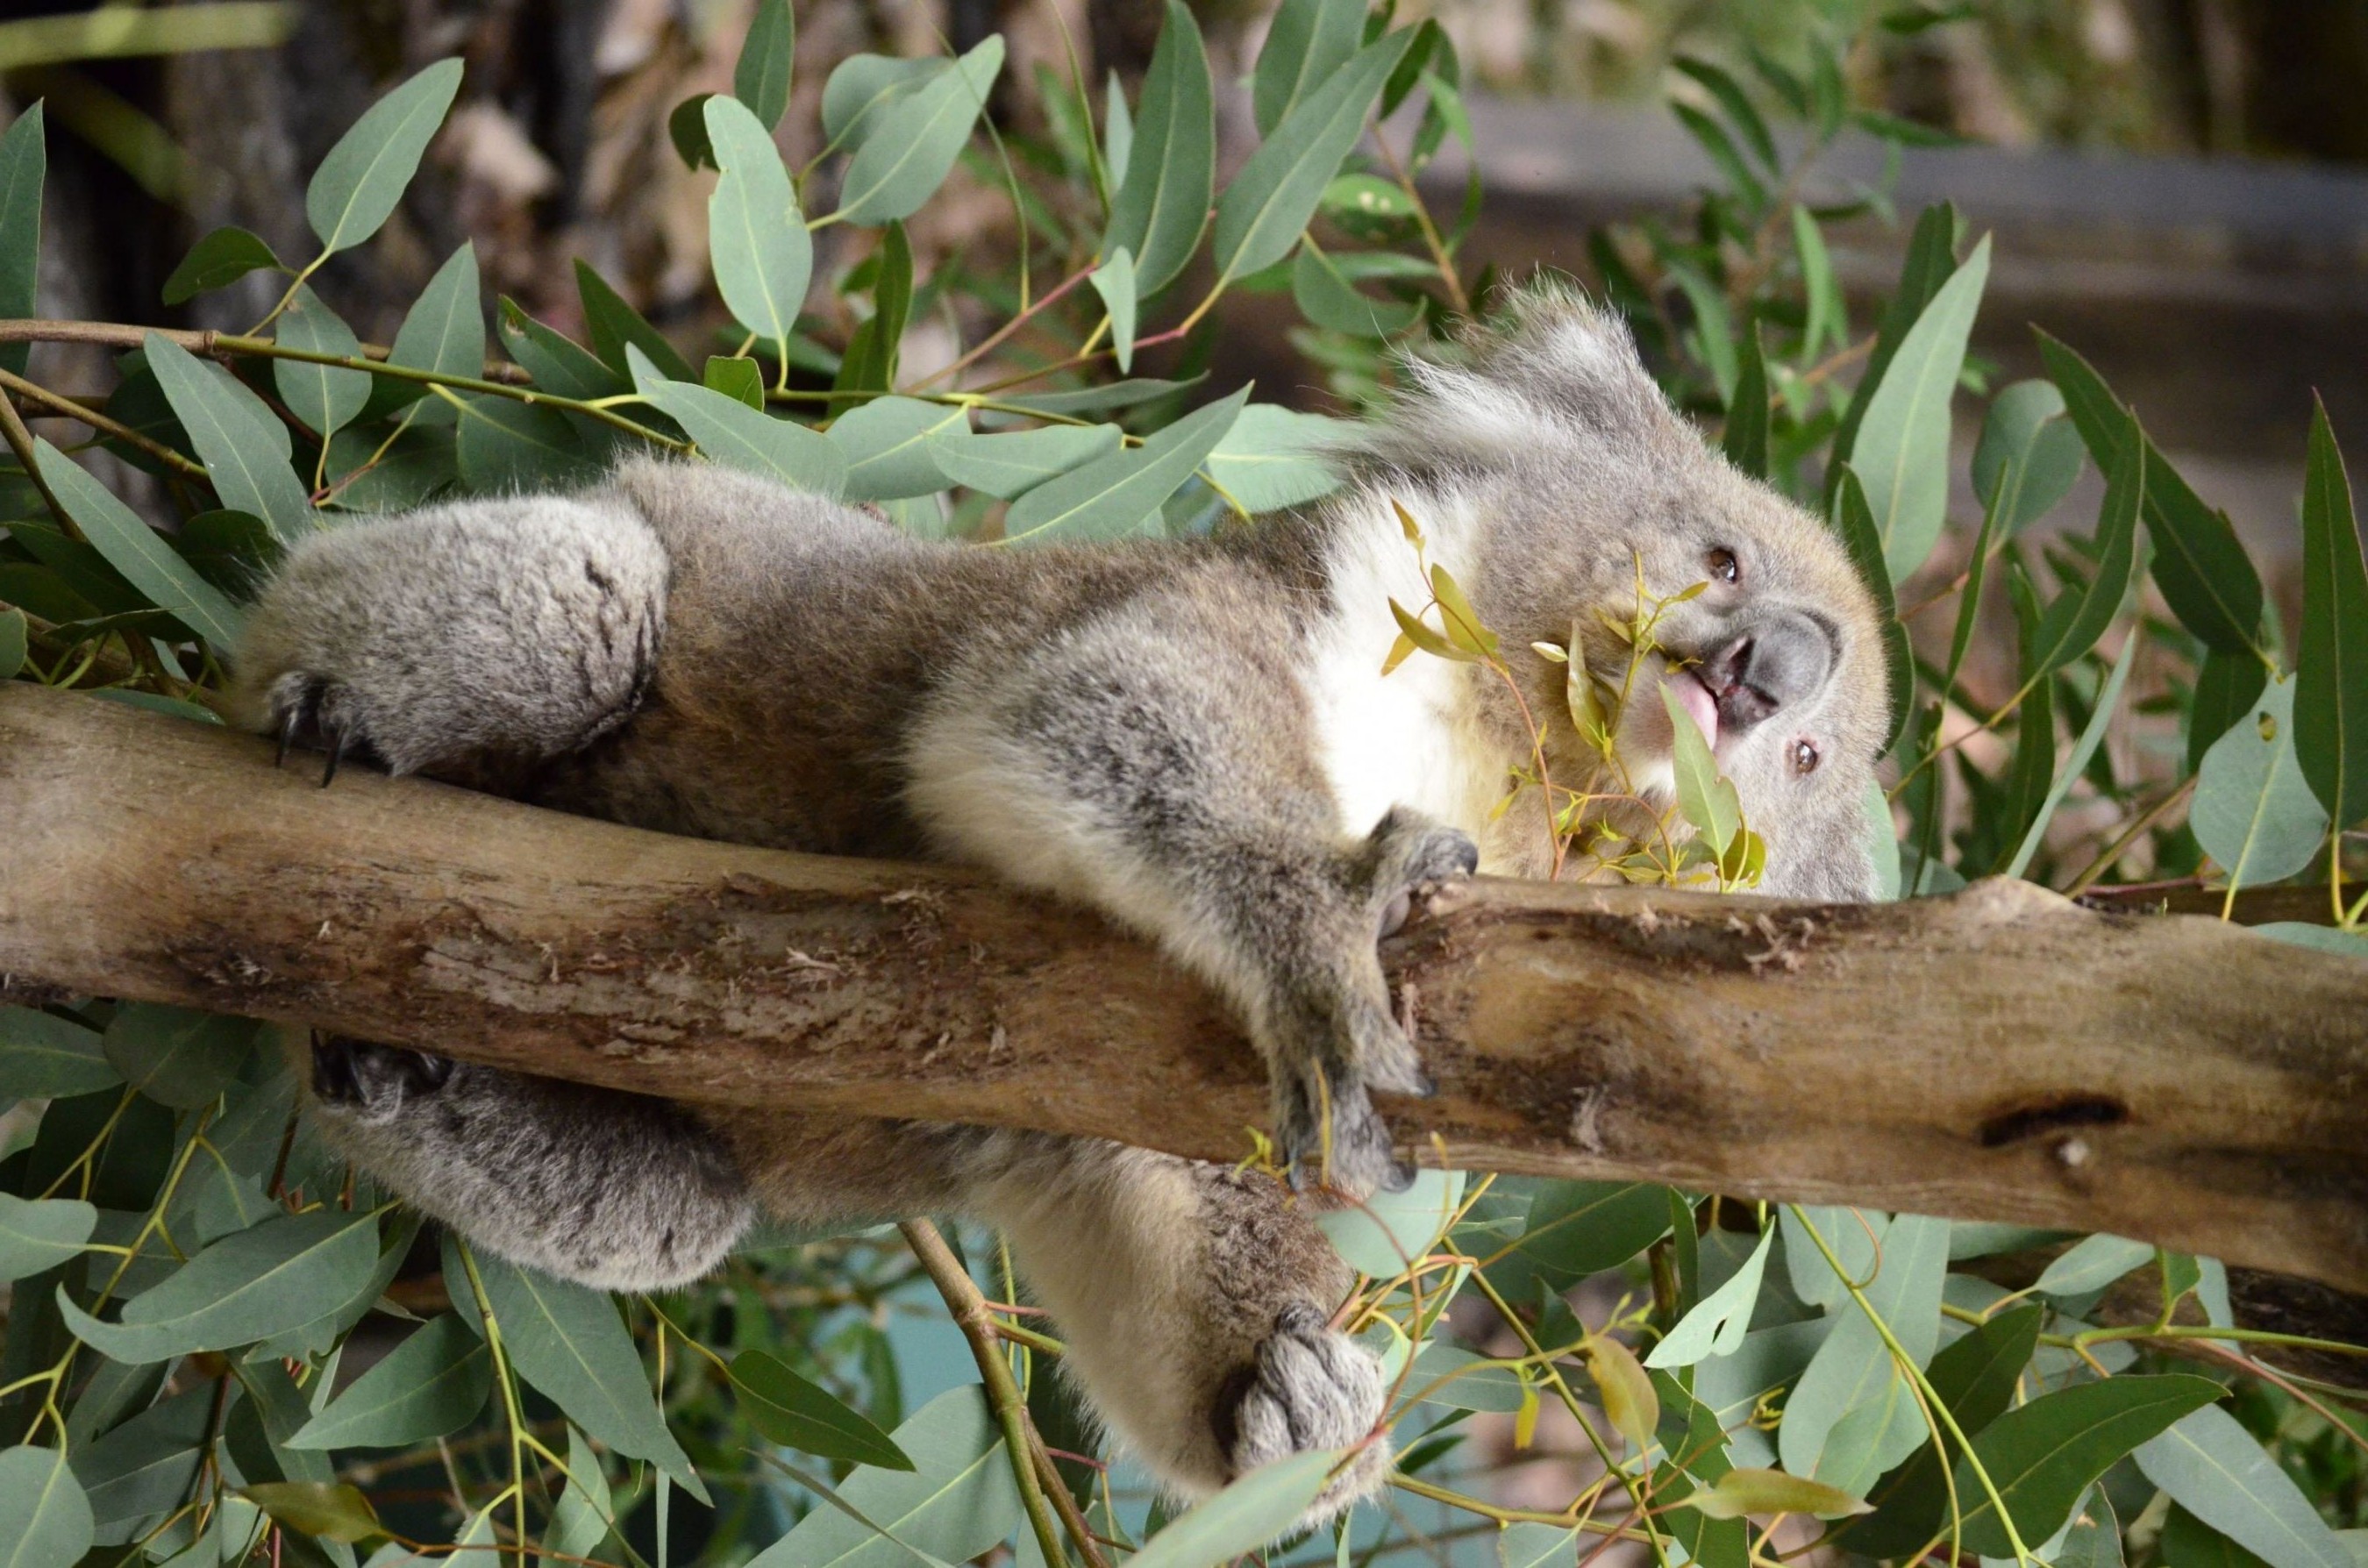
(1573, 474)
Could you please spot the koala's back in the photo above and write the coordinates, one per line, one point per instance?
(803, 637)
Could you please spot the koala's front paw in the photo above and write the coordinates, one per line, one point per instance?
(1350, 1042)
(304, 710)
(1309, 1388)
(370, 1082)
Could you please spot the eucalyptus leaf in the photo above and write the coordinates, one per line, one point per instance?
(355, 189)
(2217, 1470)
(2331, 687)
(756, 238)
(245, 447)
(443, 334)
(504, 444)
(955, 1503)
(2041, 1456)
(1269, 203)
(1251, 1511)
(1114, 281)
(1010, 465)
(1276, 457)
(326, 397)
(1392, 1229)
(730, 432)
(2092, 1265)
(558, 363)
(2253, 812)
(1162, 204)
(2029, 456)
(1108, 496)
(41, 1234)
(890, 448)
(14, 638)
(249, 1286)
(45, 1056)
(1326, 296)
(760, 78)
(1901, 453)
(23, 168)
(1719, 1322)
(614, 324)
(222, 258)
(429, 1386)
(905, 156)
(134, 549)
(801, 1414)
(1306, 43)
(45, 1517)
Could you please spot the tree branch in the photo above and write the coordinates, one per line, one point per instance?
(2000, 1054)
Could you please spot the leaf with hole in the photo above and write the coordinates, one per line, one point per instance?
(2253, 812)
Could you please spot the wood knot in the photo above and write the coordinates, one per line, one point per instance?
(2071, 1111)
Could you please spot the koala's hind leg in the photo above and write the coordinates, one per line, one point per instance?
(1195, 1304)
(606, 1188)
(474, 642)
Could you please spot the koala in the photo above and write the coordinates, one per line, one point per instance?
(1195, 737)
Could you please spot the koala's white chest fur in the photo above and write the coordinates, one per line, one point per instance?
(1412, 737)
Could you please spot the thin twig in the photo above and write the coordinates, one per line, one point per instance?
(969, 1307)
(123, 334)
(60, 403)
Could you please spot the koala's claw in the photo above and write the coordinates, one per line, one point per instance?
(1309, 1387)
(309, 710)
(372, 1081)
(1356, 1157)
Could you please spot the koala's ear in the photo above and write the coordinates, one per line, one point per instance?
(1564, 356)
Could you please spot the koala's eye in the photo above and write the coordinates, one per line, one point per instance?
(1805, 757)
(1724, 566)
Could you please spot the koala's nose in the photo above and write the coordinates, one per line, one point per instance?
(1784, 658)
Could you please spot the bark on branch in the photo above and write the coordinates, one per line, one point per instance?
(2000, 1054)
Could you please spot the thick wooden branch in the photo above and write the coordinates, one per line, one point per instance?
(2000, 1054)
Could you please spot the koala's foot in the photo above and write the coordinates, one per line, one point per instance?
(477, 646)
(371, 1082)
(1310, 1387)
(1347, 1040)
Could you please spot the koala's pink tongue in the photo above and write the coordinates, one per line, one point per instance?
(1696, 700)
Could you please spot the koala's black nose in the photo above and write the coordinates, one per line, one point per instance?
(1786, 657)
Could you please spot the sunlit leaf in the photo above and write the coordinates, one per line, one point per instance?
(1706, 800)
(335, 1511)
(1718, 1322)
(1276, 457)
(1742, 1492)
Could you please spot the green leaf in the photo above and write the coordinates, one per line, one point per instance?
(756, 238)
(14, 635)
(430, 1385)
(2253, 812)
(869, 363)
(1010, 465)
(1829, 318)
(1746, 441)
(329, 1510)
(865, 90)
(1118, 133)
(42, 1055)
(24, 166)
(687, 128)
(1976, 1379)
(1720, 148)
(955, 1503)
(1706, 800)
(41, 1234)
(2331, 693)
(1109, 496)
(134, 549)
(2216, 1470)
(144, 1466)
(1458, 1379)
(1392, 1229)
(579, 1521)
(1163, 203)
(1251, 1511)
(1322, 290)
(558, 363)
(760, 78)
(1854, 521)
(422, 462)
(1276, 457)
(1114, 281)
(2188, 1543)
(2108, 702)
(222, 258)
(443, 332)
(1852, 1416)
(742, 380)
(569, 1343)
(2044, 1455)
(1305, 44)
(1742, 1492)
(325, 397)
(249, 1286)
(2325, 939)
(1529, 1545)
(178, 1056)
(356, 187)
(615, 325)
(1931, 258)
(2029, 456)
(1901, 452)
(1718, 1322)
(2092, 1265)
(245, 447)
(1099, 399)
(45, 1518)
(505, 445)
(807, 1416)
(1579, 1228)
(888, 446)
(2203, 572)
(730, 432)
(1738, 107)
(905, 156)
(2078, 616)
(1269, 203)
(2226, 687)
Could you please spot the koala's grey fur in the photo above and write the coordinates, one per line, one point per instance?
(1195, 737)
